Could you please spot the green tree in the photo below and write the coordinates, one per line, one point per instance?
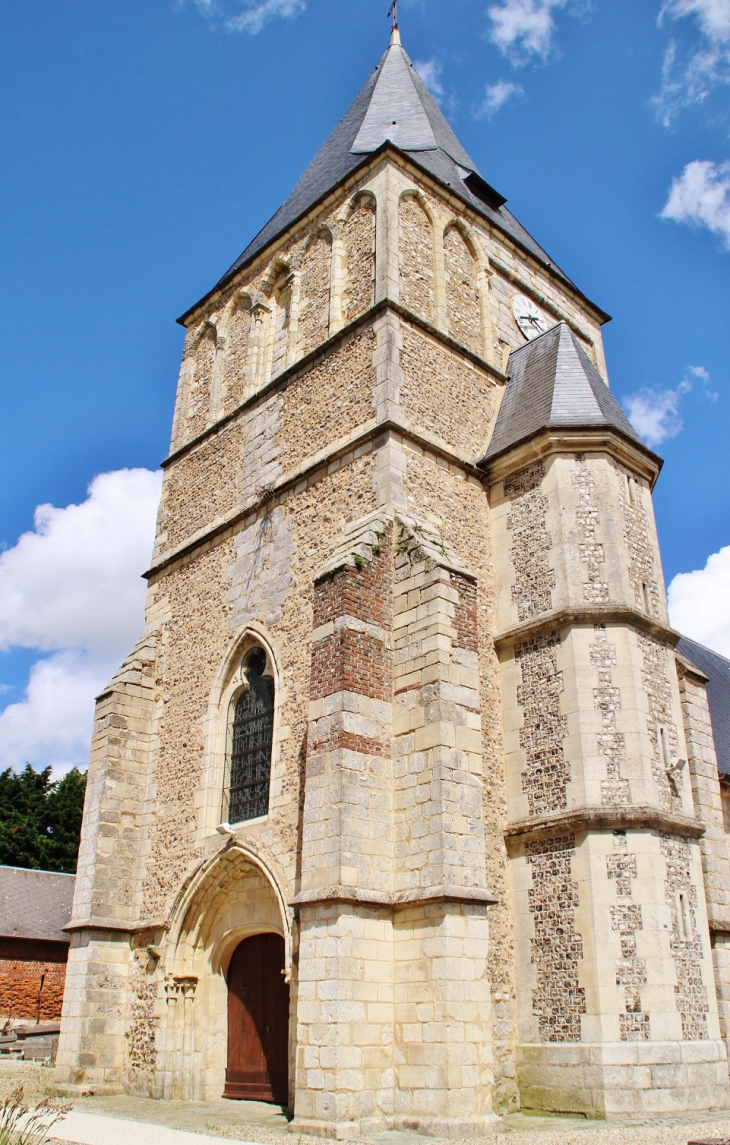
(40, 821)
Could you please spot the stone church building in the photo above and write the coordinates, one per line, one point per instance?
(405, 809)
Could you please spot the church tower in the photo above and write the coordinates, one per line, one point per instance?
(387, 818)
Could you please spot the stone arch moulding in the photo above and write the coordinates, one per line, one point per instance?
(414, 193)
(190, 364)
(215, 726)
(197, 895)
(356, 290)
(239, 300)
(308, 336)
(431, 305)
(483, 274)
(233, 895)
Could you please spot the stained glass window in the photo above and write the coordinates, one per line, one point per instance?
(251, 741)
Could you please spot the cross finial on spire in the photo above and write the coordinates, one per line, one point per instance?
(394, 33)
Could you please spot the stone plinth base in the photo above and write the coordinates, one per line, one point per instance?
(614, 1080)
(430, 1126)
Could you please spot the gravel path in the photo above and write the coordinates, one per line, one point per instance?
(137, 1121)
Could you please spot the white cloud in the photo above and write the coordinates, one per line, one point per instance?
(692, 69)
(430, 73)
(699, 603)
(700, 196)
(524, 28)
(73, 586)
(655, 414)
(75, 582)
(248, 15)
(52, 724)
(495, 97)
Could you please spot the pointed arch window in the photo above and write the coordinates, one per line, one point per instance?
(251, 740)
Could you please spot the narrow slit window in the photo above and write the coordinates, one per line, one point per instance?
(663, 746)
(251, 741)
(685, 923)
(631, 486)
(646, 593)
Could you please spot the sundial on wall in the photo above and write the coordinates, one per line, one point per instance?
(529, 318)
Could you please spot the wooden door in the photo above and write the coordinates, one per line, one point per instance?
(258, 1022)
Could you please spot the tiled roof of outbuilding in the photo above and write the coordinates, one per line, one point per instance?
(394, 105)
(717, 670)
(35, 904)
(553, 384)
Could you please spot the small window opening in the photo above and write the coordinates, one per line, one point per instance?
(646, 594)
(683, 917)
(663, 746)
(251, 742)
(631, 487)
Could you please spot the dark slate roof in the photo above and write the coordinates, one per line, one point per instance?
(35, 904)
(394, 106)
(717, 670)
(553, 384)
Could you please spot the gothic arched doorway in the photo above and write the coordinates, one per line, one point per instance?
(258, 1022)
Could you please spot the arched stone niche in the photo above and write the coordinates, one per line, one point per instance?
(416, 256)
(358, 272)
(462, 289)
(314, 300)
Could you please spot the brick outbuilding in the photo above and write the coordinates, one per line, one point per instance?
(34, 908)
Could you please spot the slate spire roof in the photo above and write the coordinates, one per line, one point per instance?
(394, 105)
(553, 384)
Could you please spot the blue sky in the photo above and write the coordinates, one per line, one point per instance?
(144, 143)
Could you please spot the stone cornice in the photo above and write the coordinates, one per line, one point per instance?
(114, 924)
(303, 365)
(685, 667)
(397, 900)
(582, 440)
(605, 819)
(595, 614)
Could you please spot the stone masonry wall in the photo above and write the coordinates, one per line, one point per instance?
(347, 834)
(462, 292)
(558, 1000)
(329, 401)
(595, 588)
(314, 302)
(655, 679)
(360, 265)
(544, 728)
(707, 799)
(235, 381)
(264, 573)
(611, 742)
(686, 941)
(637, 538)
(416, 259)
(626, 919)
(531, 542)
(202, 486)
(438, 386)
(458, 509)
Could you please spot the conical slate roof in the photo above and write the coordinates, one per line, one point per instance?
(395, 105)
(553, 384)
